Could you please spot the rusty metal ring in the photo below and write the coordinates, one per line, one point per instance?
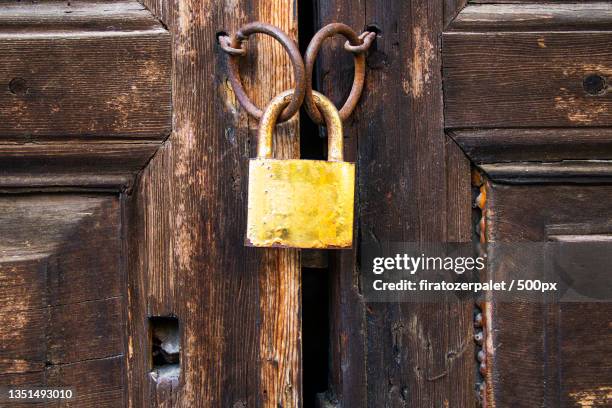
(225, 42)
(296, 61)
(311, 55)
(367, 38)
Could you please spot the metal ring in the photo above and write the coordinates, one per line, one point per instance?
(367, 38)
(225, 43)
(294, 55)
(311, 55)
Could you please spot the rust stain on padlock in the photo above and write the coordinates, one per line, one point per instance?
(300, 203)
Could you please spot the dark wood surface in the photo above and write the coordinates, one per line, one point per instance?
(525, 79)
(88, 69)
(451, 9)
(76, 16)
(533, 1)
(534, 16)
(413, 186)
(545, 355)
(238, 308)
(86, 96)
(517, 104)
(100, 164)
(62, 277)
(540, 144)
(581, 172)
(84, 106)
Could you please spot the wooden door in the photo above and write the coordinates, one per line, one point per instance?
(123, 180)
(84, 106)
(527, 99)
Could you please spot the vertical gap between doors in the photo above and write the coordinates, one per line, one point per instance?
(315, 269)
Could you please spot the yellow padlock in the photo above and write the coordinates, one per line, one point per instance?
(300, 203)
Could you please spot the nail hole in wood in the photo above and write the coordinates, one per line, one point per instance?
(594, 84)
(221, 34)
(165, 348)
(373, 28)
(18, 86)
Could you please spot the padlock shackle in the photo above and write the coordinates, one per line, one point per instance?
(327, 109)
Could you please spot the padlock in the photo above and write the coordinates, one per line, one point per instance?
(300, 203)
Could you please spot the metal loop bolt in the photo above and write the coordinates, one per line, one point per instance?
(225, 42)
(358, 77)
(367, 38)
(234, 51)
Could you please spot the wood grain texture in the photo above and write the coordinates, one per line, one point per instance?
(77, 15)
(534, 17)
(238, 307)
(459, 203)
(398, 354)
(94, 165)
(538, 354)
(582, 172)
(83, 69)
(523, 79)
(532, 1)
(62, 277)
(451, 9)
(543, 144)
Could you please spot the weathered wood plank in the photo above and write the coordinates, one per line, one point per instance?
(61, 294)
(238, 307)
(451, 9)
(535, 355)
(75, 16)
(89, 69)
(565, 171)
(398, 354)
(534, 17)
(523, 79)
(459, 208)
(98, 332)
(279, 271)
(532, 1)
(23, 346)
(544, 144)
(97, 383)
(111, 165)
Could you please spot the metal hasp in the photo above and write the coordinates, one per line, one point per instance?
(300, 203)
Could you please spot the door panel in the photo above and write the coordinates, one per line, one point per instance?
(95, 68)
(62, 277)
(527, 66)
(85, 102)
(541, 352)
(527, 98)
(110, 218)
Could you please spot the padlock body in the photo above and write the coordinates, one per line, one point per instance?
(300, 203)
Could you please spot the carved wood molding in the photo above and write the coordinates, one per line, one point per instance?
(527, 98)
(528, 83)
(559, 172)
(85, 93)
(540, 144)
(533, 16)
(529, 65)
